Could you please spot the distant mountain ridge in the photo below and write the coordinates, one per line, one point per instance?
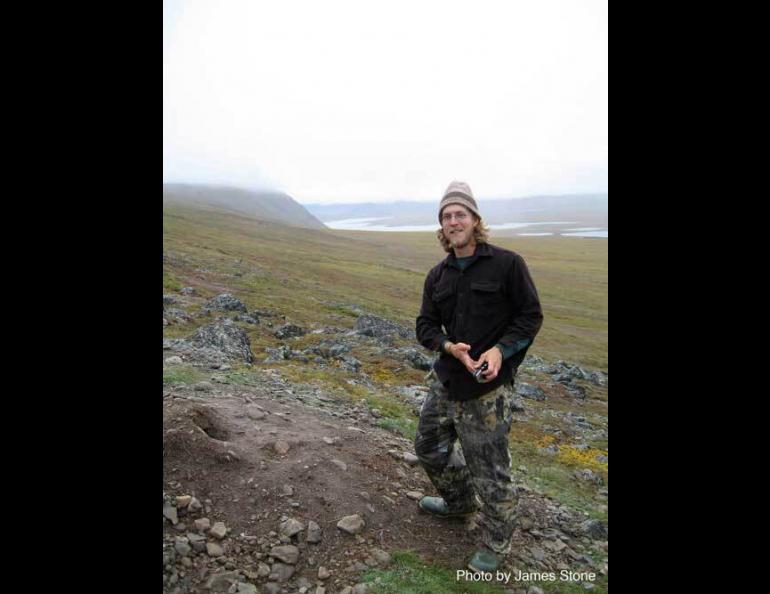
(586, 208)
(266, 205)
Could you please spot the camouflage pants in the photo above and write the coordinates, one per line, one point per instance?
(479, 465)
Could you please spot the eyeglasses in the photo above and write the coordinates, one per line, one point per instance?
(459, 216)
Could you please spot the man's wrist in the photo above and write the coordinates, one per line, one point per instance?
(448, 344)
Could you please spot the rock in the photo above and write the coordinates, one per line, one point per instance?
(246, 318)
(411, 459)
(281, 447)
(287, 490)
(382, 558)
(225, 302)
(289, 330)
(221, 581)
(195, 505)
(179, 315)
(223, 338)
(352, 524)
(535, 590)
(263, 570)
(339, 464)
(183, 501)
(169, 512)
(197, 542)
(588, 475)
(287, 553)
(415, 495)
(182, 546)
(417, 359)
(254, 413)
(346, 590)
(202, 524)
(594, 529)
(214, 550)
(242, 588)
(271, 588)
(218, 530)
(175, 360)
(370, 325)
(187, 291)
(170, 300)
(291, 527)
(313, 532)
(517, 405)
(350, 364)
(281, 572)
(529, 391)
(537, 553)
(203, 387)
(323, 573)
(329, 441)
(360, 589)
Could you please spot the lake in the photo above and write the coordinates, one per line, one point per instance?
(370, 224)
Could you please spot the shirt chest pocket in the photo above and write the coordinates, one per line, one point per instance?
(487, 298)
(445, 299)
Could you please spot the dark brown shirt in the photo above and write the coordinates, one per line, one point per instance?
(493, 301)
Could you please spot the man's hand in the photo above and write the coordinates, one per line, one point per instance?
(494, 359)
(460, 352)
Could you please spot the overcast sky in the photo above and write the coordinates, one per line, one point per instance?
(350, 101)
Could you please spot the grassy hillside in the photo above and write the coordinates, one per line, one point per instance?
(315, 276)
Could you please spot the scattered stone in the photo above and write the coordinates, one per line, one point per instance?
(254, 413)
(169, 512)
(287, 490)
(411, 459)
(415, 495)
(281, 572)
(182, 546)
(360, 589)
(187, 291)
(195, 505)
(329, 441)
(370, 325)
(340, 464)
(289, 330)
(351, 524)
(183, 501)
(170, 300)
(313, 532)
(291, 527)
(594, 529)
(221, 581)
(535, 590)
(529, 391)
(197, 542)
(323, 573)
(281, 447)
(175, 360)
(271, 588)
(263, 570)
(224, 338)
(242, 588)
(225, 302)
(382, 558)
(287, 553)
(219, 530)
(202, 524)
(214, 550)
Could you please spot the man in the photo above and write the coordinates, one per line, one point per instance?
(479, 306)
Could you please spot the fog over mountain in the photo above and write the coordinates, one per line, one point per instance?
(266, 205)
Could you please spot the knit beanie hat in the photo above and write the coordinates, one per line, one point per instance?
(458, 193)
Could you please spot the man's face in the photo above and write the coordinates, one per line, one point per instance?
(458, 224)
